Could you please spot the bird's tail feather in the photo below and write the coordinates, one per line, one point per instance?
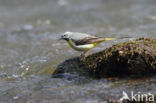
(97, 41)
(107, 39)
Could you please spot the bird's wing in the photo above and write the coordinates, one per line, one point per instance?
(88, 40)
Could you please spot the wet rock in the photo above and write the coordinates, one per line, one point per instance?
(73, 66)
(132, 58)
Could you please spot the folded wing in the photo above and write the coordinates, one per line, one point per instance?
(88, 40)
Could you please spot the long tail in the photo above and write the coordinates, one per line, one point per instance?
(102, 40)
(107, 39)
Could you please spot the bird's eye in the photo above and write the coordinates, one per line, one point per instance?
(63, 35)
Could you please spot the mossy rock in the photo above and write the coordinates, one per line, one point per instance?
(137, 57)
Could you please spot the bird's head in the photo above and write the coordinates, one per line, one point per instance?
(66, 36)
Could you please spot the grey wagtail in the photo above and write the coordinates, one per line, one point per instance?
(82, 42)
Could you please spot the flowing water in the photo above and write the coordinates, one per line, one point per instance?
(30, 50)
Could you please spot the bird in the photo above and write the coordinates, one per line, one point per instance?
(82, 42)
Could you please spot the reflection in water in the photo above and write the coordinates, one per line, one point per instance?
(29, 50)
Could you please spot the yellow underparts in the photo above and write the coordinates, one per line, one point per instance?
(86, 47)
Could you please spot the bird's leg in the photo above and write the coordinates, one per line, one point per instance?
(84, 54)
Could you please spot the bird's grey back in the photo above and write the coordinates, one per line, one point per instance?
(82, 39)
(78, 36)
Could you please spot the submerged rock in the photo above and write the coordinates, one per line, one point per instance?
(137, 57)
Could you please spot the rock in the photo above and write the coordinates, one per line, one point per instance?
(73, 66)
(137, 57)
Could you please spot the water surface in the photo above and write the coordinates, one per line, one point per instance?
(30, 50)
